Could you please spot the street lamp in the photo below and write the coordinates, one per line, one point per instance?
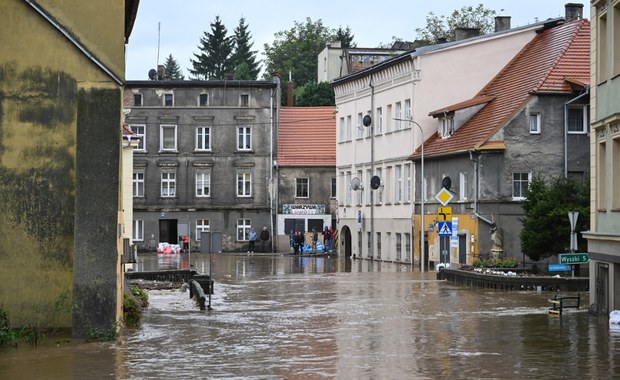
(421, 191)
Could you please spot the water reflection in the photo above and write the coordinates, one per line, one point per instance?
(297, 317)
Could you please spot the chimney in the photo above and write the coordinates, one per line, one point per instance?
(573, 11)
(464, 33)
(502, 23)
(289, 94)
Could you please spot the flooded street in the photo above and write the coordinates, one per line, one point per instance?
(300, 317)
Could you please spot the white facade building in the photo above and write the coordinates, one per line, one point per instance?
(378, 224)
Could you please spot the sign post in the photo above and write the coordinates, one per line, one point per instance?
(572, 218)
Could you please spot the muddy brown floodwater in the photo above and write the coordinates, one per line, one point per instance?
(283, 317)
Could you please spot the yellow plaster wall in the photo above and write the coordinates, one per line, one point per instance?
(466, 224)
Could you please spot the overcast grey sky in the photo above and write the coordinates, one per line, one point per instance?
(182, 23)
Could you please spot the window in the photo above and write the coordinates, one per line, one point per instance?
(520, 183)
(203, 184)
(168, 139)
(615, 173)
(399, 246)
(360, 193)
(577, 119)
(244, 100)
(463, 186)
(137, 233)
(343, 130)
(244, 138)
(388, 118)
(140, 131)
(407, 247)
(138, 183)
(615, 33)
(407, 112)
(203, 138)
(137, 100)
(369, 191)
(244, 184)
(333, 192)
(602, 48)
(168, 184)
(379, 191)
(168, 100)
(534, 123)
(601, 172)
(398, 187)
(347, 187)
(368, 128)
(202, 225)
(302, 188)
(360, 126)
(349, 128)
(243, 229)
(398, 116)
(388, 180)
(379, 122)
(203, 100)
(408, 189)
(378, 245)
(447, 126)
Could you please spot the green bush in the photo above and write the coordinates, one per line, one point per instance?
(141, 295)
(132, 311)
(496, 263)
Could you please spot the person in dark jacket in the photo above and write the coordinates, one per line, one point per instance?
(264, 238)
(299, 243)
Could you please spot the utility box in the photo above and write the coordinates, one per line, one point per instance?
(211, 242)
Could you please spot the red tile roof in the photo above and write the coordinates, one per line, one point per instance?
(550, 63)
(307, 136)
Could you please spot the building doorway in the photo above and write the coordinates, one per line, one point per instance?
(345, 241)
(168, 231)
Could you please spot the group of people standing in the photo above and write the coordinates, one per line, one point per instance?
(264, 237)
(297, 240)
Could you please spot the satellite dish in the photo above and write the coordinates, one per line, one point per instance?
(152, 74)
(446, 182)
(375, 182)
(366, 120)
(356, 184)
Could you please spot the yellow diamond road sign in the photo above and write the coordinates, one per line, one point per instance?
(444, 196)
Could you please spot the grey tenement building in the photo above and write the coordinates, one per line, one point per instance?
(204, 162)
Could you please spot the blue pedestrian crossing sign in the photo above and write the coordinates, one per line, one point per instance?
(445, 229)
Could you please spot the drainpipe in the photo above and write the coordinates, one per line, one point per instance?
(273, 190)
(372, 168)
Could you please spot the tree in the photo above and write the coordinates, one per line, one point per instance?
(312, 94)
(172, 70)
(546, 228)
(244, 58)
(438, 27)
(345, 37)
(214, 59)
(295, 50)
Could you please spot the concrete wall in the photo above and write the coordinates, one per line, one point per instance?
(59, 163)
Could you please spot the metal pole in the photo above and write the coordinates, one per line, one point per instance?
(372, 169)
(421, 197)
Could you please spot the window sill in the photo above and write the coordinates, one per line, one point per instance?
(168, 151)
(601, 210)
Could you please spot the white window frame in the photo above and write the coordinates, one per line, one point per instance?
(388, 118)
(302, 183)
(379, 191)
(244, 184)
(203, 183)
(463, 185)
(334, 188)
(168, 184)
(137, 232)
(202, 225)
(162, 142)
(203, 138)
(243, 229)
(244, 138)
(138, 183)
(534, 122)
(347, 189)
(398, 115)
(140, 131)
(584, 120)
(520, 196)
(407, 113)
(369, 189)
(447, 126)
(379, 123)
(349, 128)
(343, 130)
(360, 127)
(408, 189)
(165, 97)
(398, 184)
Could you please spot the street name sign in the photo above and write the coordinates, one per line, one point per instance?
(574, 258)
(559, 267)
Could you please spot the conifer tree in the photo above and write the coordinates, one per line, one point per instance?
(172, 70)
(214, 58)
(244, 57)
